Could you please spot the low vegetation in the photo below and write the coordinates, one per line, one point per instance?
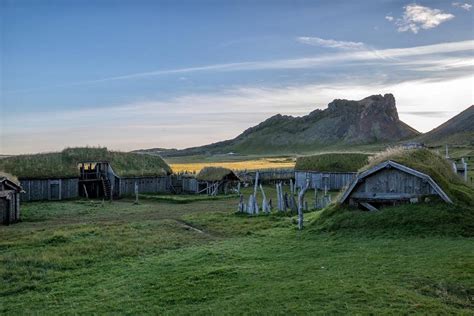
(65, 163)
(201, 257)
(335, 162)
(424, 219)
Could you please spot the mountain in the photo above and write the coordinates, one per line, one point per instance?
(344, 122)
(458, 130)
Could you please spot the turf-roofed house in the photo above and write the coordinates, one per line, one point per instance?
(10, 191)
(332, 171)
(87, 172)
(405, 176)
(215, 180)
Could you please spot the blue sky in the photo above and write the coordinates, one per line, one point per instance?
(135, 74)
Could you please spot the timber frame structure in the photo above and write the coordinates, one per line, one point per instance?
(9, 201)
(389, 183)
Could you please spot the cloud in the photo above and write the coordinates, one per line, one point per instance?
(465, 6)
(418, 17)
(200, 118)
(339, 58)
(389, 18)
(330, 43)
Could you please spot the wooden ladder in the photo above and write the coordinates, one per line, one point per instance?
(107, 187)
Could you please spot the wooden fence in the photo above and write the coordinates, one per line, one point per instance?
(319, 180)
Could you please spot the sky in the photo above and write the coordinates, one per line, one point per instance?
(175, 74)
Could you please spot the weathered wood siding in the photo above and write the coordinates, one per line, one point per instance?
(318, 180)
(49, 189)
(10, 208)
(190, 185)
(267, 175)
(389, 183)
(145, 185)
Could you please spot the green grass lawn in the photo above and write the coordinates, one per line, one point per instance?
(201, 258)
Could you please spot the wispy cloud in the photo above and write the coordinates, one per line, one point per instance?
(330, 43)
(416, 17)
(389, 18)
(391, 55)
(464, 6)
(437, 99)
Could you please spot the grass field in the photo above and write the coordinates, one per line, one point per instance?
(162, 257)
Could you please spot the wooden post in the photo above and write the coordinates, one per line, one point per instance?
(278, 196)
(136, 193)
(300, 205)
(85, 191)
(255, 187)
(315, 197)
(283, 201)
(291, 187)
(241, 204)
(250, 205)
(464, 163)
(265, 207)
(238, 188)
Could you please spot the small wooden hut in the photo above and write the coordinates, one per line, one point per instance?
(391, 183)
(9, 200)
(216, 180)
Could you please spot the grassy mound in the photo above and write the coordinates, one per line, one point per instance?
(214, 173)
(335, 162)
(64, 163)
(414, 219)
(432, 164)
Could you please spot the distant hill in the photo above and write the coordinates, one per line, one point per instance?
(368, 121)
(458, 130)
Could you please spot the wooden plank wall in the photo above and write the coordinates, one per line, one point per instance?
(39, 189)
(145, 185)
(335, 180)
(190, 185)
(267, 175)
(394, 181)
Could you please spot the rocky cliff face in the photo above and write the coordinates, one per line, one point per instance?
(370, 120)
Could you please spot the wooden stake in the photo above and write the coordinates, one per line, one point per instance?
(300, 204)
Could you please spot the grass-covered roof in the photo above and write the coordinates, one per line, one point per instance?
(10, 177)
(333, 162)
(65, 163)
(216, 174)
(432, 164)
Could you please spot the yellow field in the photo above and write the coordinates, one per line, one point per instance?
(263, 163)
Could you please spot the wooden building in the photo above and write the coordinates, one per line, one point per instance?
(9, 200)
(391, 183)
(322, 180)
(217, 180)
(189, 183)
(49, 189)
(331, 171)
